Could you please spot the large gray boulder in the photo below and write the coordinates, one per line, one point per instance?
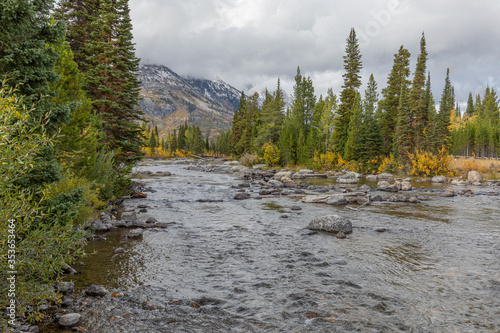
(288, 182)
(474, 177)
(331, 223)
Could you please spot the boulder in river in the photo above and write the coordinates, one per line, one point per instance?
(439, 179)
(95, 290)
(448, 193)
(384, 185)
(474, 176)
(385, 176)
(241, 196)
(288, 182)
(282, 174)
(348, 178)
(70, 319)
(406, 186)
(331, 223)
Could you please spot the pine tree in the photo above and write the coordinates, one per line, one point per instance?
(389, 105)
(491, 110)
(239, 124)
(469, 112)
(28, 63)
(352, 82)
(443, 128)
(371, 137)
(404, 138)
(418, 107)
(353, 143)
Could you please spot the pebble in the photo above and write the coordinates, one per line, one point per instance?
(70, 319)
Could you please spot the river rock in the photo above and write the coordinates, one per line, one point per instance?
(406, 186)
(365, 188)
(288, 182)
(119, 250)
(70, 319)
(336, 200)
(348, 178)
(448, 193)
(98, 226)
(95, 290)
(65, 287)
(151, 220)
(241, 196)
(282, 174)
(139, 195)
(385, 176)
(275, 183)
(135, 233)
(474, 176)
(438, 179)
(372, 178)
(384, 185)
(403, 198)
(331, 223)
(296, 208)
(130, 217)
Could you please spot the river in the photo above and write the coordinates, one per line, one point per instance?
(225, 265)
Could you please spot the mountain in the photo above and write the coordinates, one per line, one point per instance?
(168, 100)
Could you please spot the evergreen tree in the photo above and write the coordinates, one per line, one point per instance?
(469, 112)
(371, 137)
(490, 106)
(418, 107)
(239, 124)
(443, 128)
(353, 143)
(404, 138)
(27, 61)
(389, 105)
(429, 131)
(352, 82)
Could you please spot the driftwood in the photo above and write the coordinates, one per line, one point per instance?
(357, 208)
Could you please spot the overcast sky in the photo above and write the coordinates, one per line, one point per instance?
(253, 42)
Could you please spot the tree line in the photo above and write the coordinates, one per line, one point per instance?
(402, 121)
(69, 131)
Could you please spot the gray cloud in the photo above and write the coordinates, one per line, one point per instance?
(252, 43)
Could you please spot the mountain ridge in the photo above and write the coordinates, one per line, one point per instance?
(169, 100)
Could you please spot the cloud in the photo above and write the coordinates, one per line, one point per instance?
(255, 42)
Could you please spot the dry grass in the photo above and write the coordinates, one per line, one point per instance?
(489, 168)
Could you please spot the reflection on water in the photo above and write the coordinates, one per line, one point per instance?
(265, 273)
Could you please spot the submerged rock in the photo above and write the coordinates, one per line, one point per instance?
(331, 223)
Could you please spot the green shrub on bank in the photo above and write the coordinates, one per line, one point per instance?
(43, 245)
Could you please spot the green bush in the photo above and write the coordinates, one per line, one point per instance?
(43, 247)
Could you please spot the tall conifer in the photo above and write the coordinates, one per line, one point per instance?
(352, 82)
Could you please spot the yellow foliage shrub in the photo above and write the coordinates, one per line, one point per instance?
(271, 154)
(249, 159)
(427, 164)
(335, 162)
(390, 164)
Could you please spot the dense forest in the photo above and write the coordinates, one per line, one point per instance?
(364, 131)
(69, 133)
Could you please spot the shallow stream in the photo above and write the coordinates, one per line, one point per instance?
(242, 266)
